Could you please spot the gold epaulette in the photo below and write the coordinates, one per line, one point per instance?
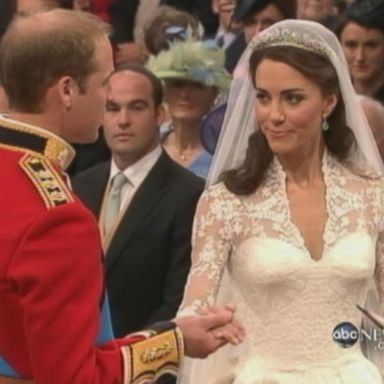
(23, 137)
(147, 360)
(47, 181)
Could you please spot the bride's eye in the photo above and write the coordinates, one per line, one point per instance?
(262, 97)
(293, 98)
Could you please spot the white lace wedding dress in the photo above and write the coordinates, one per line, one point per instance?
(288, 302)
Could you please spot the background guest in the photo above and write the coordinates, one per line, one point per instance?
(254, 16)
(228, 27)
(361, 32)
(193, 75)
(147, 232)
(169, 25)
(201, 9)
(316, 10)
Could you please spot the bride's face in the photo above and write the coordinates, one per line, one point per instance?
(290, 108)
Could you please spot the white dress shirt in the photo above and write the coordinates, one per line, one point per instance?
(135, 173)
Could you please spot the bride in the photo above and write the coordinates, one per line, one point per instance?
(293, 232)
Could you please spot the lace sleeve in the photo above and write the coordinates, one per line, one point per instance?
(375, 296)
(379, 272)
(211, 244)
(379, 219)
(374, 302)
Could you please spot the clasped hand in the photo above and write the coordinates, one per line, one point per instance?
(205, 333)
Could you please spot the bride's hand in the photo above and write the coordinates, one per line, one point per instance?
(232, 332)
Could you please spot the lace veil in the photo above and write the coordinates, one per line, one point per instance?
(240, 120)
(239, 123)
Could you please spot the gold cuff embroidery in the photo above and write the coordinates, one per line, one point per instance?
(147, 360)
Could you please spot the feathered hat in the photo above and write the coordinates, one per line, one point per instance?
(193, 60)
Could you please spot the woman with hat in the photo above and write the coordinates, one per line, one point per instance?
(194, 75)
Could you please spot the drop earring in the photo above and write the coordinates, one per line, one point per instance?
(325, 124)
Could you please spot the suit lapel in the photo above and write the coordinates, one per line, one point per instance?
(95, 188)
(146, 197)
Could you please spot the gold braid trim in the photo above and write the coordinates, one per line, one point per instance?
(47, 181)
(147, 360)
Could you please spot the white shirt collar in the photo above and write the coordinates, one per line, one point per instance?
(138, 171)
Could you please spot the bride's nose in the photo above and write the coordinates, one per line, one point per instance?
(276, 114)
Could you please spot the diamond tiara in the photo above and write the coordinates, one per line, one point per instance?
(284, 37)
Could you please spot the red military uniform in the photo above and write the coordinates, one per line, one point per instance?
(51, 276)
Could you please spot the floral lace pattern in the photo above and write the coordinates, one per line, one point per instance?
(288, 302)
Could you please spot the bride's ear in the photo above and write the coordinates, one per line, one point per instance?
(330, 103)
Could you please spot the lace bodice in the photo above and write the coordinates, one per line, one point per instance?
(288, 302)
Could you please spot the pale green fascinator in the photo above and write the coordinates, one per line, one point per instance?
(198, 61)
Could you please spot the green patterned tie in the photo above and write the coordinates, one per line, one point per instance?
(114, 200)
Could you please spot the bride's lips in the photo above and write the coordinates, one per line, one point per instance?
(360, 68)
(277, 134)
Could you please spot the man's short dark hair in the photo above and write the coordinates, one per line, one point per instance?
(157, 86)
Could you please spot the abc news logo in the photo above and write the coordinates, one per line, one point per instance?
(346, 335)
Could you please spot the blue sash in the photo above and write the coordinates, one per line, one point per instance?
(7, 370)
(106, 332)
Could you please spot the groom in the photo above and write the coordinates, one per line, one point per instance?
(54, 67)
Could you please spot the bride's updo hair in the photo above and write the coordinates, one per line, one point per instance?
(339, 139)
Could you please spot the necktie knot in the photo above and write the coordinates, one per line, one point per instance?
(118, 182)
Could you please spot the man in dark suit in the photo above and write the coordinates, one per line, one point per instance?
(147, 243)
